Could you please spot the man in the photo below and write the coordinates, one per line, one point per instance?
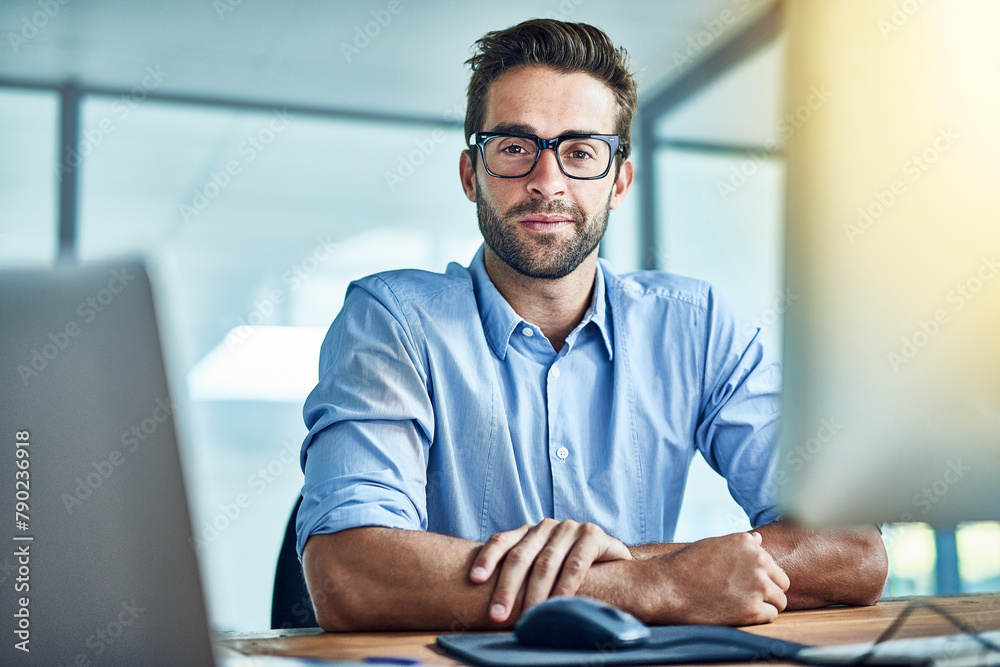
(485, 439)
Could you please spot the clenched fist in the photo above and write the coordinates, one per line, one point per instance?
(728, 580)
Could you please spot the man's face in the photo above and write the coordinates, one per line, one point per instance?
(544, 224)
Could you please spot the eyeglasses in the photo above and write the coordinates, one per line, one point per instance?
(513, 154)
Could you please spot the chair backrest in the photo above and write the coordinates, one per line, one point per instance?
(291, 606)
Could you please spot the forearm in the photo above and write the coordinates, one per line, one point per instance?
(642, 587)
(385, 579)
(375, 578)
(727, 580)
(655, 550)
(827, 567)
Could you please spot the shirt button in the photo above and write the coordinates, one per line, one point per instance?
(562, 453)
(555, 371)
(527, 332)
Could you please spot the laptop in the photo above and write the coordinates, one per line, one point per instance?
(97, 565)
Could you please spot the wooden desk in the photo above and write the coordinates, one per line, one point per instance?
(832, 625)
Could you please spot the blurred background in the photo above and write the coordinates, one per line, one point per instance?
(260, 155)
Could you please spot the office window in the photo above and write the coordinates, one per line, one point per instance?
(29, 130)
(720, 188)
(734, 241)
(621, 245)
(255, 222)
(979, 556)
(912, 559)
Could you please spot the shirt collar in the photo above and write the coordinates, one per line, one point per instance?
(598, 311)
(499, 319)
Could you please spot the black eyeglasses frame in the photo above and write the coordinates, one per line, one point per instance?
(480, 138)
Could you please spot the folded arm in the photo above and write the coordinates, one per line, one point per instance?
(388, 579)
(825, 567)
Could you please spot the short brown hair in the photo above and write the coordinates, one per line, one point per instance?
(564, 47)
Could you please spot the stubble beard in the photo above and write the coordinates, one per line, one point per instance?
(552, 256)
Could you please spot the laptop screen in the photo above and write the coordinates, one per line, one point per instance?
(98, 566)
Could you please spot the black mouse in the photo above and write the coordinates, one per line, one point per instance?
(574, 622)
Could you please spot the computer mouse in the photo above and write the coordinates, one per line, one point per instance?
(576, 622)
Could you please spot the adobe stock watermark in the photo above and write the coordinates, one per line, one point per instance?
(248, 150)
(88, 310)
(928, 328)
(121, 109)
(423, 149)
(713, 29)
(900, 15)
(223, 7)
(302, 610)
(294, 277)
(772, 314)
(364, 34)
(797, 458)
(229, 512)
(318, 595)
(788, 125)
(913, 169)
(100, 471)
(106, 636)
(935, 492)
(565, 10)
(660, 257)
(31, 26)
(408, 164)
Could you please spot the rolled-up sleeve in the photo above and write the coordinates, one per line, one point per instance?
(370, 421)
(737, 431)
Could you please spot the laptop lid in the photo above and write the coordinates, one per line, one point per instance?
(97, 565)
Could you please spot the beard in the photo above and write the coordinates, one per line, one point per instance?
(551, 257)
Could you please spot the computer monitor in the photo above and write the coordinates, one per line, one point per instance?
(98, 567)
(891, 407)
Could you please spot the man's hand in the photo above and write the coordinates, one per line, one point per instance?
(537, 555)
(728, 580)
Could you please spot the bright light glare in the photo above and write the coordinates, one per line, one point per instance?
(259, 363)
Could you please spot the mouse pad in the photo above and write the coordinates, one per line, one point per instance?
(667, 644)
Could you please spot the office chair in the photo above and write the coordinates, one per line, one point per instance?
(291, 606)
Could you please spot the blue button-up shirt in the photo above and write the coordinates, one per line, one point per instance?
(439, 408)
